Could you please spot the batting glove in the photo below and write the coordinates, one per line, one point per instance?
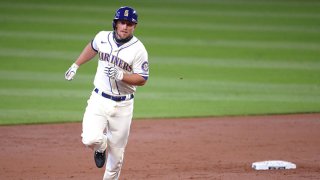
(71, 72)
(114, 73)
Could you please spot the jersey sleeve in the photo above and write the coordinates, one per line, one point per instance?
(141, 64)
(94, 43)
(94, 46)
(100, 37)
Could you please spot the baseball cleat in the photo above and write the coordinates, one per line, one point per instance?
(100, 158)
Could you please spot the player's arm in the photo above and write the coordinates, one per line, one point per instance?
(140, 73)
(119, 75)
(134, 79)
(86, 55)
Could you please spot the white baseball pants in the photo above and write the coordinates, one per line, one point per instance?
(106, 126)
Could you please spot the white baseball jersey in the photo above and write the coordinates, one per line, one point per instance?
(130, 57)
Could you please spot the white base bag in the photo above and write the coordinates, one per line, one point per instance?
(274, 164)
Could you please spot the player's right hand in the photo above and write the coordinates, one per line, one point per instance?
(114, 73)
(71, 72)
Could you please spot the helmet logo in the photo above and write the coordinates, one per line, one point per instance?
(126, 13)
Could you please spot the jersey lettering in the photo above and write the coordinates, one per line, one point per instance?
(115, 60)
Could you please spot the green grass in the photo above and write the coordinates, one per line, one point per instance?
(207, 57)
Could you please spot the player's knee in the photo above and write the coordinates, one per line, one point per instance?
(92, 139)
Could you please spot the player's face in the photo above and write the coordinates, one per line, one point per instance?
(125, 28)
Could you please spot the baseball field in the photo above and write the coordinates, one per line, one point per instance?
(245, 70)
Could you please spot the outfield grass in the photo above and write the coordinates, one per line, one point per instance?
(207, 57)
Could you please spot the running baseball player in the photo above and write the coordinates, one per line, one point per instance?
(122, 66)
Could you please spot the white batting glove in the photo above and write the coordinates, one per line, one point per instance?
(69, 75)
(114, 73)
(118, 74)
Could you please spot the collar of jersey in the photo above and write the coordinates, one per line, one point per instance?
(120, 42)
(125, 45)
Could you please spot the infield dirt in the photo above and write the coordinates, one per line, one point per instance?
(175, 149)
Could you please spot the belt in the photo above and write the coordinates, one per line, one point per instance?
(114, 98)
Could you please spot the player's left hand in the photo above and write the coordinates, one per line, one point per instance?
(114, 73)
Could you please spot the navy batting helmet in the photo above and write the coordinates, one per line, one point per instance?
(125, 13)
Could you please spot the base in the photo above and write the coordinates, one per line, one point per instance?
(275, 164)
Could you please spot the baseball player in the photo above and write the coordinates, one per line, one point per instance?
(122, 66)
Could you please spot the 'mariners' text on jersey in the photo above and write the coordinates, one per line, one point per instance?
(115, 60)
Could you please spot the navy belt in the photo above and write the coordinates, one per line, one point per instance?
(114, 98)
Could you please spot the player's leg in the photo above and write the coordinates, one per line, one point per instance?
(93, 125)
(114, 163)
(118, 133)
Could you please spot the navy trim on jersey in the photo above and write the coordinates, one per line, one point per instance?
(129, 45)
(110, 54)
(118, 44)
(110, 43)
(114, 66)
(121, 48)
(93, 47)
(124, 44)
(118, 56)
